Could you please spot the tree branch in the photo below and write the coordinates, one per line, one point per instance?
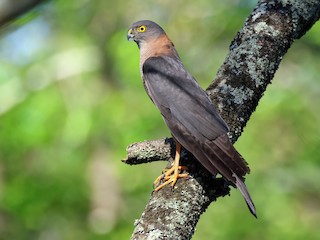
(150, 151)
(12, 9)
(254, 57)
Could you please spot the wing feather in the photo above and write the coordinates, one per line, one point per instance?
(193, 120)
(169, 85)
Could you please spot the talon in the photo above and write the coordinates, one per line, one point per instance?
(158, 179)
(172, 174)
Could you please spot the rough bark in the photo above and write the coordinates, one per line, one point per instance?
(254, 57)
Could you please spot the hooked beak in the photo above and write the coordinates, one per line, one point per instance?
(130, 35)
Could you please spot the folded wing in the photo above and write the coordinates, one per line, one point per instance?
(193, 120)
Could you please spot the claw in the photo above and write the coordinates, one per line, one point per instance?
(172, 174)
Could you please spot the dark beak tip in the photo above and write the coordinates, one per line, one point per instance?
(130, 37)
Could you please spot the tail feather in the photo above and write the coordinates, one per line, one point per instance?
(237, 163)
(219, 156)
(230, 164)
(243, 189)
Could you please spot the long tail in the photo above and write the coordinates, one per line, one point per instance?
(221, 154)
(243, 189)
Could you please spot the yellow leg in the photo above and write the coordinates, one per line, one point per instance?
(171, 175)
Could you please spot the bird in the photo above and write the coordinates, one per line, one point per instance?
(187, 110)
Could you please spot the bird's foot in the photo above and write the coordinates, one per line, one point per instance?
(170, 175)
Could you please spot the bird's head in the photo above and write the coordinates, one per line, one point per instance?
(143, 31)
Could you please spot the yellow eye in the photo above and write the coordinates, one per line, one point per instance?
(142, 29)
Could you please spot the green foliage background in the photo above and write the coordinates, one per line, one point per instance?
(71, 100)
